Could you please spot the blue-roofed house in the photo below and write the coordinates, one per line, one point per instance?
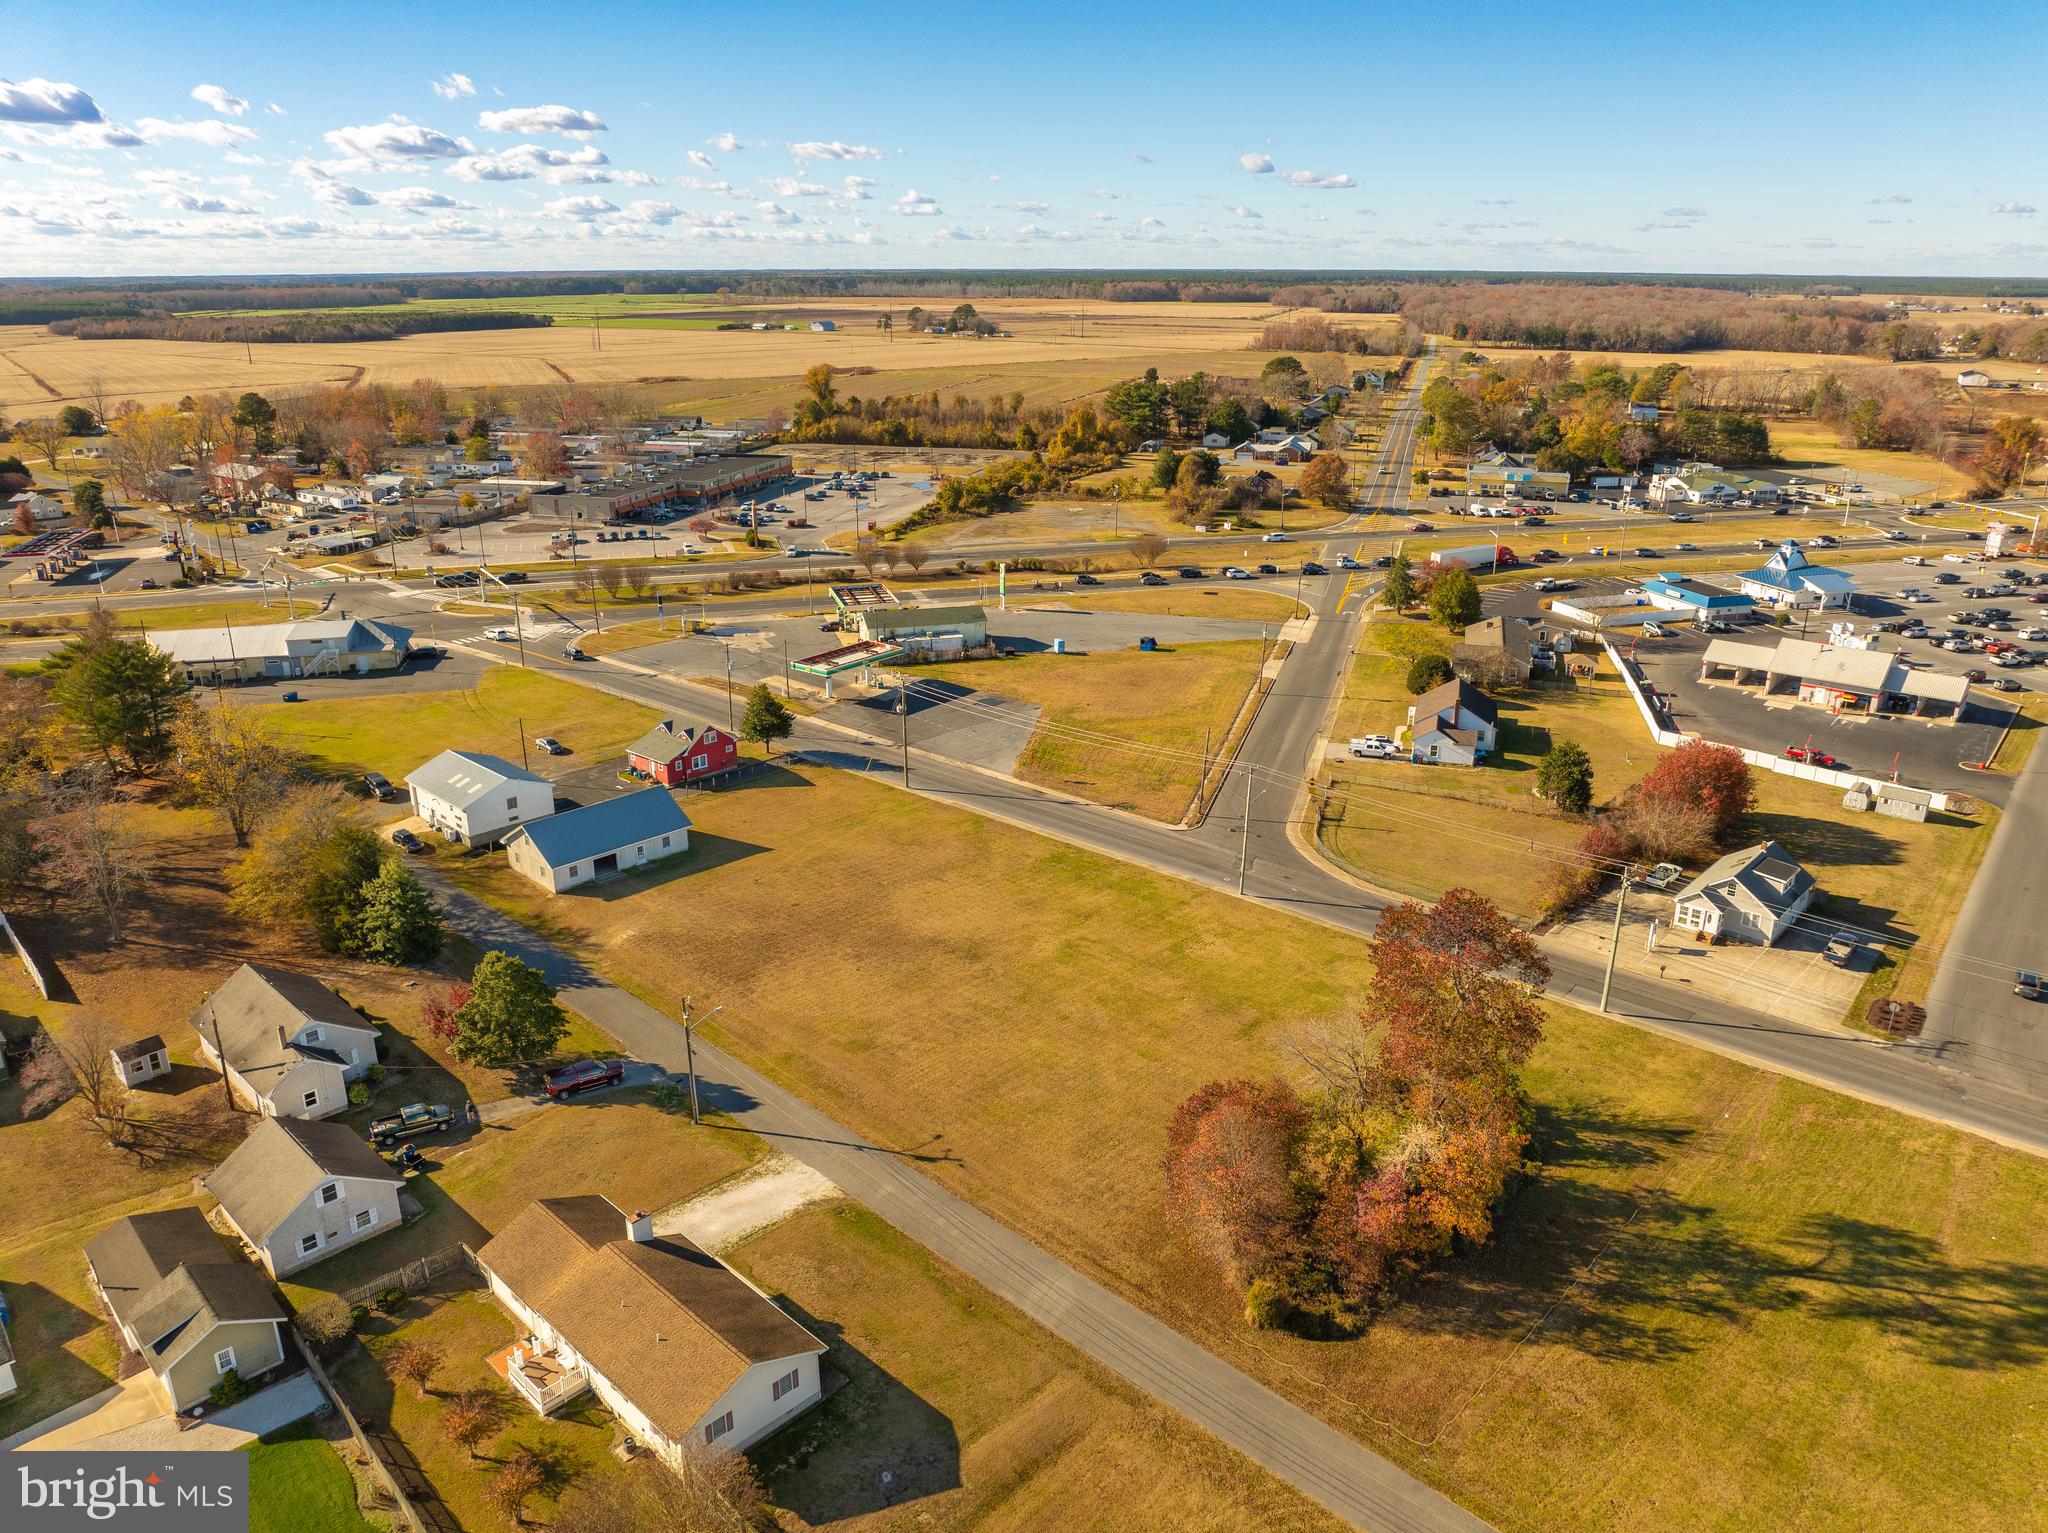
(581, 846)
(1788, 580)
(1676, 592)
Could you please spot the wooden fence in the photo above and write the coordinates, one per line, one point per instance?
(413, 1277)
(36, 972)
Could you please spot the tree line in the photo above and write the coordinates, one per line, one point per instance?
(295, 328)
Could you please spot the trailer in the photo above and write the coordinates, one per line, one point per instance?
(1495, 555)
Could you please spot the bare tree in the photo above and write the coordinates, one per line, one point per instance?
(1148, 548)
(416, 1363)
(514, 1484)
(916, 555)
(472, 1416)
(611, 577)
(94, 850)
(96, 397)
(46, 435)
(79, 1063)
(228, 761)
(866, 553)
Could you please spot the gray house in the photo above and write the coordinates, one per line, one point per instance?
(600, 840)
(291, 1044)
(323, 646)
(184, 1303)
(1752, 895)
(1452, 725)
(476, 799)
(298, 1191)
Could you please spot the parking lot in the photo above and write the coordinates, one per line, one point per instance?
(1924, 752)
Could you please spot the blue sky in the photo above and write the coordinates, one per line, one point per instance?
(371, 137)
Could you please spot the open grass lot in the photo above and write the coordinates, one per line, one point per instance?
(986, 1422)
(395, 732)
(298, 1484)
(1702, 1312)
(157, 619)
(1227, 602)
(1163, 702)
(1812, 450)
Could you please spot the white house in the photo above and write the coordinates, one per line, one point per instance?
(143, 1060)
(292, 1045)
(684, 1350)
(475, 799)
(299, 1191)
(600, 840)
(824, 324)
(1971, 378)
(43, 508)
(1787, 579)
(184, 1303)
(1215, 439)
(1454, 724)
(1752, 895)
(8, 1383)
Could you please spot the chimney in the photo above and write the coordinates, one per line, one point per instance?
(640, 1228)
(282, 1041)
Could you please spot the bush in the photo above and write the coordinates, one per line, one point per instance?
(327, 1326)
(231, 1389)
(1266, 1305)
(359, 1094)
(377, 1074)
(1427, 671)
(391, 1300)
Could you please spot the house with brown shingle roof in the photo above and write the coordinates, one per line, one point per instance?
(1454, 724)
(687, 1352)
(291, 1045)
(298, 1191)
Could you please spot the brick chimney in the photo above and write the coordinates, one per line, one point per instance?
(640, 1228)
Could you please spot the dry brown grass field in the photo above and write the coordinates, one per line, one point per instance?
(1052, 339)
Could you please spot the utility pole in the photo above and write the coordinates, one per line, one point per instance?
(903, 726)
(220, 1054)
(1244, 852)
(1614, 950)
(690, 1053)
(523, 762)
(731, 724)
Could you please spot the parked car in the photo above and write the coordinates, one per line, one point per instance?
(379, 787)
(1663, 876)
(407, 842)
(1973, 675)
(2029, 986)
(1373, 747)
(1656, 630)
(2007, 684)
(584, 1075)
(1840, 950)
(148, 583)
(1809, 755)
(413, 1118)
(550, 745)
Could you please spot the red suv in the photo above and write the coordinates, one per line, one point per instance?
(584, 1075)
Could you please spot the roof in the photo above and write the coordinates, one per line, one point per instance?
(1789, 570)
(1457, 693)
(1762, 879)
(141, 1048)
(1865, 670)
(888, 619)
(354, 636)
(578, 835)
(668, 739)
(255, 1002)
(1504, 633)
(162, 1271)
(460, 778)
(1695, 593)
(669, 1325)
(283, 1159)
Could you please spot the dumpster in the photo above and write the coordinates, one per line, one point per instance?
(1147, 643)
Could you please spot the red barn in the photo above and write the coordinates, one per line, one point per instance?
(673, 753)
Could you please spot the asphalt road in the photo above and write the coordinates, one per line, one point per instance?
(1351, 1480)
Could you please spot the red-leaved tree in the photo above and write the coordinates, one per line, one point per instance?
(1714, 777)
(1230, 1172)
(1454, 986)
(438, 1011)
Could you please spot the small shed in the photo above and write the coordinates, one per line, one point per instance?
(143, 1060)
(1902, 802)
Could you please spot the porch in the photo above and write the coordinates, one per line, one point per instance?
(540, 1374)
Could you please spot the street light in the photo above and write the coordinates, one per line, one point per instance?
(690, 1051)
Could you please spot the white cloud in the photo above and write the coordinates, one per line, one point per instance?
(276, 111)
(776, 215)
(725, 143)
(452, 87)
(1149, 222)
(567, 120)
(180, 200)
(814, 149)
(523, 162)
(215, 135)
(1026, 205)
(1032, 232)
(46, 101)
(1257, 164)
(1889, 197)
(857, 188)
(953, 232)
(790, 186)
(2012, 209)
(338, 194)
(1685, 212)
(582, 209)
(647, 212)
(1244, 212)
(1109, 196)
(715, 188)
(1315, 180)
(237, 157)
(421, 199)
(914, 204)
(218, 98)
(396, 141)
(702, 160)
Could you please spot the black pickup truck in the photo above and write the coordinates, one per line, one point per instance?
(413, 1118)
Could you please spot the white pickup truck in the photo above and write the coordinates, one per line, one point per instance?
(1373, 747)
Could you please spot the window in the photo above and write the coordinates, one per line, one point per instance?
(308, 1244)
(572, 870)
(312, 1100)
(365, 1217)
(355, 1056)
(717, 1427)
(330, 1192)
(787, 1383)
(699, 763)
(224, 1360)
(664, 840)
(312, 1035)
(511, 803)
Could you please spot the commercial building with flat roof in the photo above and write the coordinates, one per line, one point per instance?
(698, 482)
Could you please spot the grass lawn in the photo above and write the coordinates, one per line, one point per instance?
(1813, 450)
(298, 1484)
(394, 733)
(1164, 701)
(985, 1421)
(159, 619)
(1179, 601)
(1702, 1312)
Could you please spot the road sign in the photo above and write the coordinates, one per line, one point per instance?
(1655, 924)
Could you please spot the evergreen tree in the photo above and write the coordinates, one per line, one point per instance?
(511, 1016)
(1454, 599)
(123, 695)
(766, 719)
(340, 866)
(394, 921)
(1565, 777)
(1400, 588)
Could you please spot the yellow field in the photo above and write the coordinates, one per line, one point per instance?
(44, 371)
